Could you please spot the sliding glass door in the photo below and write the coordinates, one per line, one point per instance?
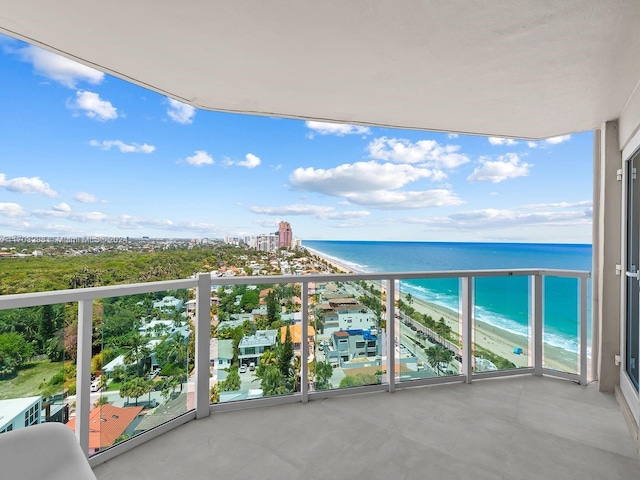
(632, 327)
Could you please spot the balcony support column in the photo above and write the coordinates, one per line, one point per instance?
(304, 343)
(608, 292)
(391, 334)
(536, 318)
(203, 339)
(83, 373)
(467, 327)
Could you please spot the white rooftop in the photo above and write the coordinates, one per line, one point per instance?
(13, 406)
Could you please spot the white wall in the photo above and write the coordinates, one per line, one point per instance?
(630, 119)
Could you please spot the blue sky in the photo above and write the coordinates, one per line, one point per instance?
(83, 153)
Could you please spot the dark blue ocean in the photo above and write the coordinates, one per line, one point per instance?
(502, 301)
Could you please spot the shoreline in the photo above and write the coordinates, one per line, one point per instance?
(495, 339)
(335, 263)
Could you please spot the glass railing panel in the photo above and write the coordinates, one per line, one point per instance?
(561, 324)
(501, 323)
(37, 365)
(141, 365)
(349, 345)
(255, 341)
(428, 329)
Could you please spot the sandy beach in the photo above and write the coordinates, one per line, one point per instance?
(497, 340)
(339, 266)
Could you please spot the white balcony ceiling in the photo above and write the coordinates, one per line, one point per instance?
(518, 68)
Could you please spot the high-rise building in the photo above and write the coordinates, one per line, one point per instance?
(284, 235)
(267, 242)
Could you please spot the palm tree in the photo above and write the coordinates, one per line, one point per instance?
(269, 357)
(138, 351)
(297, 366)
(437, 355)
(178, 348)
(273, 382)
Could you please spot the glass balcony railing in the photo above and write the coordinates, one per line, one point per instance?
(124, 362)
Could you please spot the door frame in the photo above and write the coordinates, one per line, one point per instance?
(628, 389)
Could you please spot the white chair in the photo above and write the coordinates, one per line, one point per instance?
(48, 451)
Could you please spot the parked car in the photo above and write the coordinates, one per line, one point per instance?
(243, 368)
(252, 366)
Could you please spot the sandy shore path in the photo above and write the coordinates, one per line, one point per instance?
(497, 340)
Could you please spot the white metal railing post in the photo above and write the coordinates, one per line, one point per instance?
(582, 290)
(83, 372)
(391, 334)
(467, 327)
(203, 339)
(304, 361)
(536, 318)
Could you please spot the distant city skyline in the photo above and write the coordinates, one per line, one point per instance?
(87, 154)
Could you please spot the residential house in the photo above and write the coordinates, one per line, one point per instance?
(108, 423)
(19, 413)
(296, 336)
(253, 346)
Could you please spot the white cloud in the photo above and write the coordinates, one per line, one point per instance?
(538, 206)
(356, 177)
(453, 135)
(180, 112)
(374, 185)
(58, 68)
(424, 152)
(502, 141)
(26, 185)
(61, 207)
(84, 197)
(123, 147)
(93, 106)
(139, 223)
(558, 139)
(74, 216)
(13, 210)
(199, 158)
(505, 167)
(560, 214)
(127, 221)
(509, 218)
(250, 161)
(339, 129)
(549, 141)
(397, 200)
(268, 222)
(317, 211)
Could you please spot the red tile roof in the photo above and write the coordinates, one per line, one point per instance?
(107, 423)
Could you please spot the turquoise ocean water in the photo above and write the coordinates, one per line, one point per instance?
(503, 301)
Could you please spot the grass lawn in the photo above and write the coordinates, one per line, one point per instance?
(114, 386)
(25, 384)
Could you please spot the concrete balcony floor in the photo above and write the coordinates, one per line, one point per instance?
(512, 428)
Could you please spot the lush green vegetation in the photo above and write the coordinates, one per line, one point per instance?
(359, 380)
(500, 362)
(32, 379)
(46, 273)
